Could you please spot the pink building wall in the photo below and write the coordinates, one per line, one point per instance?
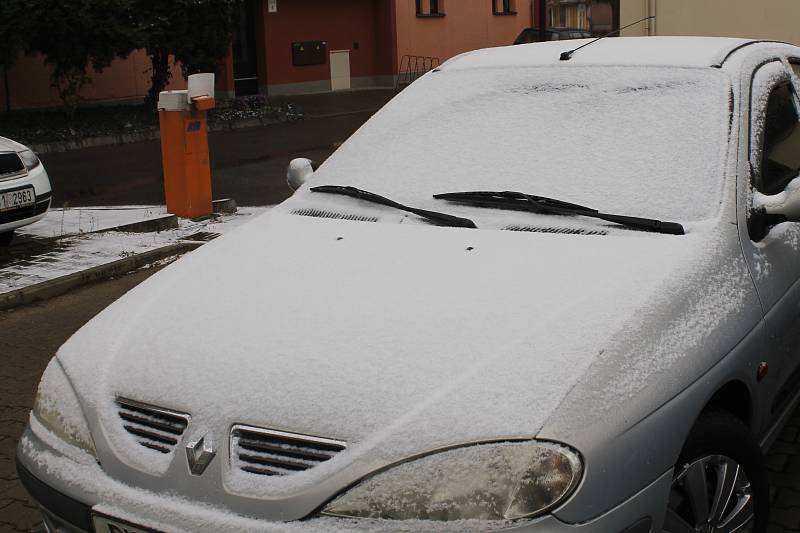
(467, 25)
(386, 30)
(124, 79)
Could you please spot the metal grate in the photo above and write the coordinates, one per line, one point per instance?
(11, 166)
(268, 452)
(201, 236)
(152, 427)
(319, 213)
(565, 231)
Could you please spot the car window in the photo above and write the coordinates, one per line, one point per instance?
(780, 156)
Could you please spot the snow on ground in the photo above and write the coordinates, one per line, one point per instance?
(80, 249)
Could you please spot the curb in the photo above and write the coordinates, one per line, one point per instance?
(142, 136)
(126, 138)
(58, 286)
(151, 225)
(372, 110)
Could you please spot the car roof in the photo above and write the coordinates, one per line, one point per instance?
(619, 51)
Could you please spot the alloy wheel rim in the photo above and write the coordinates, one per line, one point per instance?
(710, 495)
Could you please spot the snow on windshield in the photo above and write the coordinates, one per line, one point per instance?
(640, 141)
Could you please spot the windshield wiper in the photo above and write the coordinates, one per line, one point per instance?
(540, 204)
(440, 219)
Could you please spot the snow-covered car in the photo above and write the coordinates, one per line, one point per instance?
(530, 294)
(25, 189)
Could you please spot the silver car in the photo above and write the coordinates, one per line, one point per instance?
(536, 292)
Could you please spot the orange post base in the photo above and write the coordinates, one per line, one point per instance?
(184, 154)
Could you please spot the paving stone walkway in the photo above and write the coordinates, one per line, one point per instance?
(784, 466)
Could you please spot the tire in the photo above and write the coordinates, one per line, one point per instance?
(5, 238)
(722, 457)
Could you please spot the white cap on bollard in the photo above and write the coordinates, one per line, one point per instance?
(201, 85)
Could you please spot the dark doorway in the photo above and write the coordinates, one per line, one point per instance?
(245, 63)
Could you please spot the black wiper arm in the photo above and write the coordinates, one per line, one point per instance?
(541, 204)
(440, 219)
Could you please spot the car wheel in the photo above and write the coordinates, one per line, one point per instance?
(720, 483)
(5, 238)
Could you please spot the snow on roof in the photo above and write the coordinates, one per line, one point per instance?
(654, 51)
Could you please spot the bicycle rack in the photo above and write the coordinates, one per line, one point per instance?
(413, 67)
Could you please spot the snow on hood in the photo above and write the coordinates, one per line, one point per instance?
(396, 338)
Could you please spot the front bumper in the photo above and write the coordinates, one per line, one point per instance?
(40, 181)
(69, 490)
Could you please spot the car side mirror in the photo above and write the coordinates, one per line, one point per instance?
(300, 171)
(784, 205)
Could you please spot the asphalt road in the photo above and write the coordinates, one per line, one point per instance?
(32, 334)
(248, 165)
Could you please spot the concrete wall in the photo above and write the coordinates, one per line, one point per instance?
(125, 79)
(764, 19)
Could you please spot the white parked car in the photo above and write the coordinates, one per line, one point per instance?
(530, 294)
(25, 189)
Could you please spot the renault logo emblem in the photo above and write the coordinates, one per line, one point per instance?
(200, 452)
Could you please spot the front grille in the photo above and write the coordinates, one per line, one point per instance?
(11, 166)
(565, 231)
(269, 452)
(319, 213)
(153, 427)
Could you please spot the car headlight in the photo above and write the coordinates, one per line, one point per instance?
(29, 159)
(57, 408)
(499, 481)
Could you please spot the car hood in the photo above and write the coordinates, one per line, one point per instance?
(396, 338)
(7, 145)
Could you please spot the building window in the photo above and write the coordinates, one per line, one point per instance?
(430, 8)
(504, 7)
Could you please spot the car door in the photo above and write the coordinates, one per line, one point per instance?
(773, 249)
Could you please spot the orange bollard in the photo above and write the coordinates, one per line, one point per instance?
(184, 153)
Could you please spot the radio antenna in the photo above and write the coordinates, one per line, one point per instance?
(566, 56)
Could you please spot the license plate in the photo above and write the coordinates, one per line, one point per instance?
(17, 199)
(106, 524)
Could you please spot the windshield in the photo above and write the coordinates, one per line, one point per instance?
(647, 142)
